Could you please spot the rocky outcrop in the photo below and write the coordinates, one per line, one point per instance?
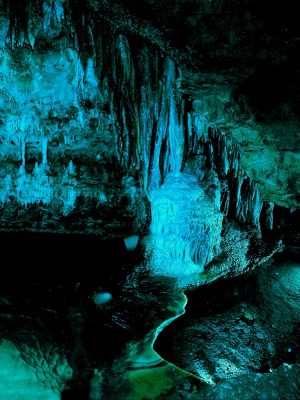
(250, 333)
(89, 130)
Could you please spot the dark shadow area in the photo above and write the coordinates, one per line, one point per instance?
(46, 293)
(31, 257)
(271, 93)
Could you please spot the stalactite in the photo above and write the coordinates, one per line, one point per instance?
(136, 88)
(234, 192)
(169, 127)
(270, 216)
(44, 150)
(146, 124)
(267, 217)
(71, 169)
(6, 190)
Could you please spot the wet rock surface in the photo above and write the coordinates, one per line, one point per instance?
(241, 330)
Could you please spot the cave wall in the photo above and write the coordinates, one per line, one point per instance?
(97, 115)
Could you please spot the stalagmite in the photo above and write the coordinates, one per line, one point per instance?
(185, 228)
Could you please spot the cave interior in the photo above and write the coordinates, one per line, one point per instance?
(149, 200)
